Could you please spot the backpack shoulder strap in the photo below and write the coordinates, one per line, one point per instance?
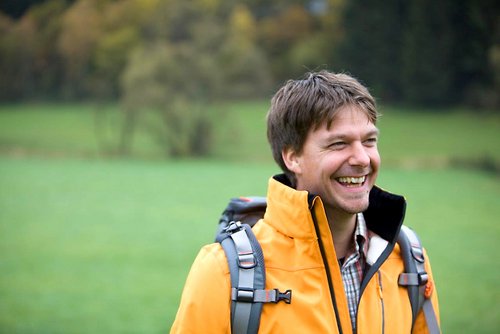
(248, 277)
(415, 277)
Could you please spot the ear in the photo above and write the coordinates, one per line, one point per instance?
(292, 160)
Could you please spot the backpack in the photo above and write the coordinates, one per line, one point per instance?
(248, 275)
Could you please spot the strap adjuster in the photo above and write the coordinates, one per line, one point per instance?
(284, 296)
(249, 295)
(245, 295)
(423, 278)
(247, 260)
(417, 253)
(416, 279)
(233, 227)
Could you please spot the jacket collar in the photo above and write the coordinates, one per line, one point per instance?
(384, 215)
(288, 210)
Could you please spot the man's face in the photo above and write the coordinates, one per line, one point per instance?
(340, 163)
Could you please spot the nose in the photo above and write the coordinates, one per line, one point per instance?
(359, 155)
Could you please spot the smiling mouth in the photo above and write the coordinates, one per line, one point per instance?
(351, 181)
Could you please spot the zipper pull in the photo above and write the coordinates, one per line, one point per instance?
(380, 294)
(379, 286)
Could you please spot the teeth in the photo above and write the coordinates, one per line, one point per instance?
(352, 179)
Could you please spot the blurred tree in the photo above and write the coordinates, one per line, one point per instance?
(30, 64)
(477, 35)
(81, 31)
(16, 58)
(278, 34)
(493, 100)
(96, 41)
(371, 46)
(188, 61)
(421, 52)
(165, 91)
(427, 53)
(446, 54)
(244, 67)
(172, 78)
(48, 67)
(110, 58)
(332, 30)
(122, 28)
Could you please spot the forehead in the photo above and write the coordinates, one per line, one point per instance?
(351, 116)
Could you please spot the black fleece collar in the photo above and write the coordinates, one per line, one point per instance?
(385, 214)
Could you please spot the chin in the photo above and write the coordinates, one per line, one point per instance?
(354, 209)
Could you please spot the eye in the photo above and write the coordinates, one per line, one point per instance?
(372, 141)
(338, 145)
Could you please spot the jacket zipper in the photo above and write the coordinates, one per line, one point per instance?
(370, 271)
(327, 268)
(381, 295)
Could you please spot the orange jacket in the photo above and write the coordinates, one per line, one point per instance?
(299, 255)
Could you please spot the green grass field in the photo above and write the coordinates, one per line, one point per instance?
(93, 245)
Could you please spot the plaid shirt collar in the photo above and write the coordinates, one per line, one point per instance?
(359, 246)
(353, 266)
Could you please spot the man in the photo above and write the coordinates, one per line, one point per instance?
(328, 233)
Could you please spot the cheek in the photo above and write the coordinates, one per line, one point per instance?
(335, 160)
(375, 159)
(374, 153)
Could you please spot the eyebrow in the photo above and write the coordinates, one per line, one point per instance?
(374, 132)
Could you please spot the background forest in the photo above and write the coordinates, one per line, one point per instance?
(421, 52)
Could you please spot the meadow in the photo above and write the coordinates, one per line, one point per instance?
(97, 244)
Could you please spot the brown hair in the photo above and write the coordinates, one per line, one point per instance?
(302, 105)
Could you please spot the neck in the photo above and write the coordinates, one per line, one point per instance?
(342, 226)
